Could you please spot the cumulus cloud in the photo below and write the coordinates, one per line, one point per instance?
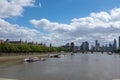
(51, 26)
(115, 14)
(16, 32)
(104, 26)
(10, 8)
(14, 8)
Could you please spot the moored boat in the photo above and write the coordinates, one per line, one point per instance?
(42, 59)
(33, 59)
(29, 59)
(56, 55)
(109, 53)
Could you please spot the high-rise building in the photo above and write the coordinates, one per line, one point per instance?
(50, 45)
(67, 45)
(84, 46)
(115, 44)
(92, 47)
(103, 48)
(110, 48)
(106, 47)
(72, 46)
(97, 45)
(119, 42)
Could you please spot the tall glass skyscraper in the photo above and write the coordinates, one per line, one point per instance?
(115, 44)
(119, 42)
(97, 45)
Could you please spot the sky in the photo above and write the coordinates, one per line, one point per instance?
(60, 21)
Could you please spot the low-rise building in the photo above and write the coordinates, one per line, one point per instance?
(1, 41)
(14, 42)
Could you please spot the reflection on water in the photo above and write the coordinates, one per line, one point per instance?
(79, 67)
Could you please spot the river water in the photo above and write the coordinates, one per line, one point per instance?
(95, 66)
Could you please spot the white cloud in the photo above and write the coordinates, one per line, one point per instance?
(51, 26)
(14, 8)
(103, 26)
(96, 26)
(115, 14)
(16, 32)
(10, 8)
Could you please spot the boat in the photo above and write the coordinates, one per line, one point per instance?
(109, 53)
(31, 59)
(42, 59)
(61, 55)
(28, 59)
(34, 59)
(73, 54)
(56, 55)
(51, 55)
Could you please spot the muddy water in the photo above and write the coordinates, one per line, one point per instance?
(95, 66)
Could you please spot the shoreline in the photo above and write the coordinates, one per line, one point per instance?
(12, 59)
(4, 59)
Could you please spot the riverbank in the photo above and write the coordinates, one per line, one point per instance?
(12, 59)
(19, 58)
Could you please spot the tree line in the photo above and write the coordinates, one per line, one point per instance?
(28, 48)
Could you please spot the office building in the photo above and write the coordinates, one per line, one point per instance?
(119, 42)
(97, 45)
(1, 41)
(115, 44)
(72, 46)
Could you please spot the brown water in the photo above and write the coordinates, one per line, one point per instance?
(95, 66)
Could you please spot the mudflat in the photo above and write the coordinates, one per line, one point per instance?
(18, 58)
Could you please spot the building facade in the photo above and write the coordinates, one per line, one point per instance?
(72, 46)
(1, 41)
(119, 42)
(115, 44)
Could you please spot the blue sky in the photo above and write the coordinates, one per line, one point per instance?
(60, 21)
(63, 10)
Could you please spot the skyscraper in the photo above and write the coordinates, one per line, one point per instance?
(96, 42)
(114, 45)
(119, 42)
(72, 46)
(50, 45)
(85, 46)
(67, 45)
(97, 45)
(110, 48)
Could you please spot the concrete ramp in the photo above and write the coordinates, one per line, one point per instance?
(7, 79)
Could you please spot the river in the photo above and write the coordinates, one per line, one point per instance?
(94, 66)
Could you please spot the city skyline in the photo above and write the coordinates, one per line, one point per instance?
(97, 47)
(60, 22)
